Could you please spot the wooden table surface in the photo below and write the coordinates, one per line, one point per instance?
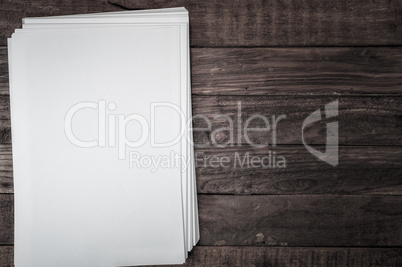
(277, 57)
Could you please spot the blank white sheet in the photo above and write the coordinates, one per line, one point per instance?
(45, 88)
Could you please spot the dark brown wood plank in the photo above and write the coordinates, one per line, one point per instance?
(4, 71)
(247, 23)
(5, 122)
(293, 256)
(286, 71)
(6, 169)
(304, 71)
(6, 219)
(316, 220)
(287, 23)
(362, 120)
(6, 256)
(13, 11)
(264, 220)
(274, 256)
(361, 170)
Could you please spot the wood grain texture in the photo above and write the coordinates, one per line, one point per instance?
(300, 220)
(6, 169)
(293, 256)
(286, 71)
(361, 170)
(287, 23)
(232, 256)
(6, 256)
(266, 220)
(362, 120)
(4, 83)
(247, 23)
(6, 219)
(5, 122)
(304, 71)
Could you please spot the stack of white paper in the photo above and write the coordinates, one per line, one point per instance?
(103, 163)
